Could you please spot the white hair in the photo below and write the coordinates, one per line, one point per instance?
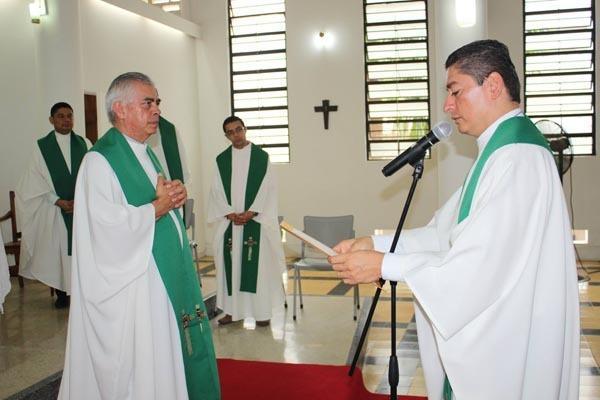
(121, 90)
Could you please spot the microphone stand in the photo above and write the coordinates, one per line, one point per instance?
(393, 373)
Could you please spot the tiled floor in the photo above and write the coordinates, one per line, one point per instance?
(32, 334)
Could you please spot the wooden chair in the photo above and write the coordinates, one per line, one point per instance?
(14, 246)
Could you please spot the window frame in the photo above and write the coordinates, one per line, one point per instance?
(427, 79)
(232, 74)
(556, 117)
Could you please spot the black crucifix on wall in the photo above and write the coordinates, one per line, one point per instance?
(325, 108)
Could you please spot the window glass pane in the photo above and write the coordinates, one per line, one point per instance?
(264, 118)
(398, 91)
(545, 5)
(387, 150)
(378, 72)
(259, 81)
(258, 43)
(411, 129)
(240, 8)
(559, 21)
(559, 84)
(578, 62)
(559, 67)
(257, 24)
(396, 57)
(260, 99)
(551, 105)
(262, 62)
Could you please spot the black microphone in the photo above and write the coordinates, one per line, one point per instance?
(417, 150)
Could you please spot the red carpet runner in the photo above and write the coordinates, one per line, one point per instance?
(267, 380)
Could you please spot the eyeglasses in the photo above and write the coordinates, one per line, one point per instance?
(239, 129)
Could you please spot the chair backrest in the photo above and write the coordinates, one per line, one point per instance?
(188, 209)
(12, 215)
(328, 230)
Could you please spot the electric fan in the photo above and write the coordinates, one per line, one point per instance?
(559, 144)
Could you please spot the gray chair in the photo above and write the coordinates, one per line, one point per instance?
(330, 231)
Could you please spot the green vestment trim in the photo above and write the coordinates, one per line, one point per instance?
(259, 160)
(513, 130)
(174, 261)
(510, 131)
(63, 180)
(168, 139)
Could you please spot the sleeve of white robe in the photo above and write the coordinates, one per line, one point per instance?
(113, 240)
(35, 187)
(486, 257)
(431, 237)
(265, 202)
(218, 207)
(35, 192)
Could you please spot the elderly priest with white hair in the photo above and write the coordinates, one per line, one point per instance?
(138, 327)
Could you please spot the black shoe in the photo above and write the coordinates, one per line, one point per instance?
(62, 300)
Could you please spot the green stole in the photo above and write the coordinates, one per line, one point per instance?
(513, 130)
(168, 139)
(510, 131)
(259, 160)
(63, 180)
(175, 265)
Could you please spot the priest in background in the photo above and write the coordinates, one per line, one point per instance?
(45, 204)
(493, 274)
(168, 147)
(247, 247)
(138, 327)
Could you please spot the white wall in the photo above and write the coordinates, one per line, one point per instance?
(20, 110)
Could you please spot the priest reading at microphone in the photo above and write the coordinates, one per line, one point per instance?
(493, 274)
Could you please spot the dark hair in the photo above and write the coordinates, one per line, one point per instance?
(58, 106)
(231, 119)
(482, 57)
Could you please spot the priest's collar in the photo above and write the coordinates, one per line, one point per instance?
(245, 148)
(484, 138)
(137, 147)
(61, 137)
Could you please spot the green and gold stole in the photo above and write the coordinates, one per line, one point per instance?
(63, 180)
(259, 160)
(174, 261)
(168, 139)
(513, 130)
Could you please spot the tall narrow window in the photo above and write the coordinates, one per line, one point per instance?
(397, 75)
(259, 73)
(559, 67)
